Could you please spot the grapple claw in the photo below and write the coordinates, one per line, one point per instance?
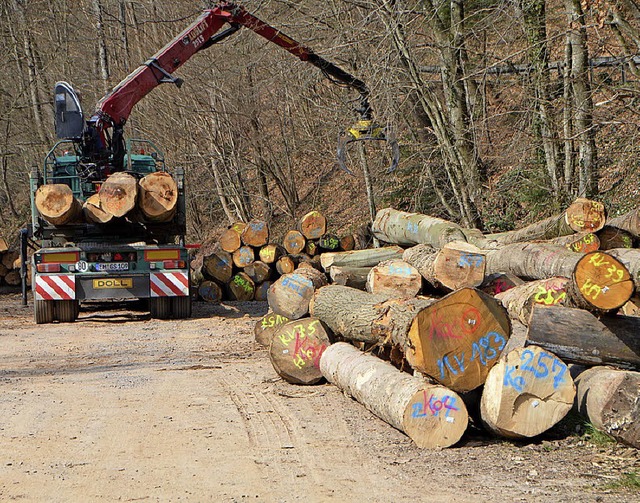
(366, 130)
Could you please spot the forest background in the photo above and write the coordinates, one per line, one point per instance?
(505, 111)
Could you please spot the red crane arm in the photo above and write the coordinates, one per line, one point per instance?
(115, 108)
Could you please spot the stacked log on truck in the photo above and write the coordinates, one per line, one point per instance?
(10, 265)
(453, 332)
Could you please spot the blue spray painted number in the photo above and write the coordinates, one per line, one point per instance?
(483, 350)
(539, 369)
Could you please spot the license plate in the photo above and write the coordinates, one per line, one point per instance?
(113, 266)
(113, 283)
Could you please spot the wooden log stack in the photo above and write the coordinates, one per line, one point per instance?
(10, 265)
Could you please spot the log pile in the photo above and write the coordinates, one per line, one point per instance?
(436, 302)
(10, 265)
(152, 198)
(247, 263)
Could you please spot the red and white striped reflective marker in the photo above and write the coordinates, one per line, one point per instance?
(55, 287)
(169, 284)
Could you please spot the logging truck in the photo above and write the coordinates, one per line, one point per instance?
(99, 236)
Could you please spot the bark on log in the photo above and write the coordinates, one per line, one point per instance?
(269, 254)
(526, 393)
(118, 194)
(56, 204)
(612, 237)
(583, 215)
(290, 295)
(629, 222)
(360, 258)
(394, 278)
(93, 211)
(456, 265)
(499, 282)
(294, 242)
(355, 277)
(313, 225)
(244, 256)
(12, 278)
(262, 291)
(630, 258)
(608, 398)
(432, 416)
(255, 233)
(296, 348)
(210, 291)
(402, 228)
(583, 242)
(230, 239)
(218, 266)
(266, 326)
(519, 301)
(455, 339)
(285, 265)
(258, 271)
(241, 287)
(158, 196)
(577, 336)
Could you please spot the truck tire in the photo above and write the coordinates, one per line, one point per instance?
(43, 311)
(181, 307)
(66, 310)
(160, 307)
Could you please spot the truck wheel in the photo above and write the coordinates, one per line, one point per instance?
(66, 310)
(160, 307)
(181, 307)
(43, 311)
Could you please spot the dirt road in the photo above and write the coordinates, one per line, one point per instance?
(118, 407)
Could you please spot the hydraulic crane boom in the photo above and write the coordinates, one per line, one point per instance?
(114, 109)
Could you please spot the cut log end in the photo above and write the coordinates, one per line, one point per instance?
(118, 194)
(584, 215)
(435, 418)
(158, 196)
(526, 393)
(267, 326)
(459, 338)
(602, 282)
(56, 204)
(296, 348)
(313, 225)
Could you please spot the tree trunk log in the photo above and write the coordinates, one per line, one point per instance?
(285, 265)
(630, 258)
(583, 215)
(347, 242)
(577, 336)
(612, 237)
(583, 242)
(294, 242)
(218, 266)
(455, 339)
(360, 258)
(355, 277)
(432, 416)
(241, 287)
(394, 278)
(258, 271)
(456, 265)
(210, 291)
(56, 204)
(629, 222)
(499, 282)
(230, 239)
(262, 291)
(608, 398)
(93, 212)
(244, 256)
(526, 393)
(12, 278)
(329, 242)
(269, 254)
(313, 225)
(118, 194)
(290, 295)
(158, 196)
(296, 348)
(255, 233)
(402, 228)
(267, 326)
(312, 248)
(519, 301)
